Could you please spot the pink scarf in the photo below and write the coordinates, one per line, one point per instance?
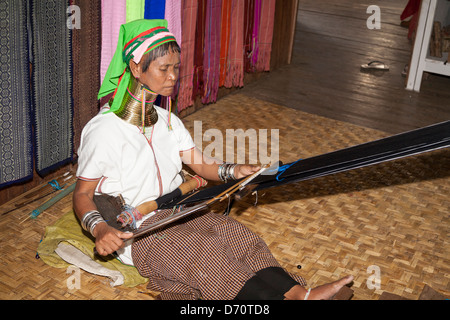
(113, 16)
(173, 17)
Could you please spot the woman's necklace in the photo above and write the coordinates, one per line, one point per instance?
(137, 105)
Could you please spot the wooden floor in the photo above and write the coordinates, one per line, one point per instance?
(394, 216)
(331, 42)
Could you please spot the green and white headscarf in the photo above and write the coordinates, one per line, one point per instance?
(136, 39)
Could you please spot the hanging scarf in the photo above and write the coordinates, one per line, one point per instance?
(235, 70)
(266, 35)
(225, 40)
(173, 17)
(189, 21)
(113, 16)
(86, 76)
(135, 10)
(136, 39)
(255, 33)
(248, 33)
(199, 49)
(154, 9)
(212, 51)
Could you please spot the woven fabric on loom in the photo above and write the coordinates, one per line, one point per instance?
(86, 67)
(16, 162)
(52, 84)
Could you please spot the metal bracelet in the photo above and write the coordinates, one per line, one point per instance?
(90, 220)
(226, 171)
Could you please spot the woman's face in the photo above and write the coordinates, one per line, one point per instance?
(162, 74)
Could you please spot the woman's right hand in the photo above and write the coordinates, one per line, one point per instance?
(108, 239)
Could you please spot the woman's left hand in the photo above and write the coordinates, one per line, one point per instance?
(243, 170)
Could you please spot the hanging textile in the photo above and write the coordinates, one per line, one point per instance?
(255, 34)
(134, 10)
(199, 49)
(52, 84)
(86, 76)
(155, 9)
(248, 33)
(235, 70)
(225, 40)
(212, 51)
(173, 16)
(189, 10)
(16, 163)
(266, 35)
(113, 16)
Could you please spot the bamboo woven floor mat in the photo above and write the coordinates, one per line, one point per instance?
(392, 216)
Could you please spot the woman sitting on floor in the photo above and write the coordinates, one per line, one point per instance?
(136, 149)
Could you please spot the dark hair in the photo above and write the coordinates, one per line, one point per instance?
(158, 52)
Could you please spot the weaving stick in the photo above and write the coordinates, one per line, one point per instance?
(58, 181)
(35, 213)
(186, 187)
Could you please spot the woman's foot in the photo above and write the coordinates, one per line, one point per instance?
(323, 292)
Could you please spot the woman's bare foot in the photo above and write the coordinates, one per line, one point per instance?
(323, 292)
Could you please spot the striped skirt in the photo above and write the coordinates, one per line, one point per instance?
(204, 256)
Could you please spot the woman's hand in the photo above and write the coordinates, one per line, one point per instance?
(243, 170)
(108, 239)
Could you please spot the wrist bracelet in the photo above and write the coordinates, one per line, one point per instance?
(226, 171)
(90, 220)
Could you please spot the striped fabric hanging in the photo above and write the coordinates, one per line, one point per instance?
(225, 40)
(199, 50)
(212, 51)
(235, 70)
(189, 22)
(266, 35)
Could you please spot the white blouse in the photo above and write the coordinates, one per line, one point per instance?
(140, 167)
